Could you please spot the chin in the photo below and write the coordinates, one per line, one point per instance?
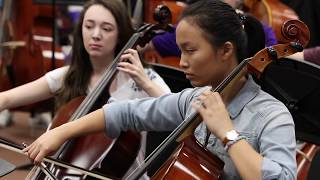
(196, 84)
(95, 54)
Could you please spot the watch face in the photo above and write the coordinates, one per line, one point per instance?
(232, 135)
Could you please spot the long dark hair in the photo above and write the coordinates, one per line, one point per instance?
(78, 76)
(221, 23)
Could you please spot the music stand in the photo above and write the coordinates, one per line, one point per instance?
(297, 85)
(6, 167)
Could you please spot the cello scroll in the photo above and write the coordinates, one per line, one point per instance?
(272, 12)
(295, 32)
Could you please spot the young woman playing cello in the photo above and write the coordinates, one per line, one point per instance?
(103, 29)
(212, 39)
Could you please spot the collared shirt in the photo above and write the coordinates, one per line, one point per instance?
(265, 122)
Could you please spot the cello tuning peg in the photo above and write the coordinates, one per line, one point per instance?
(296, 46)
(272, 53)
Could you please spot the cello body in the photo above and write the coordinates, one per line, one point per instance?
(97, 152)
(304, 159)
(191, 161)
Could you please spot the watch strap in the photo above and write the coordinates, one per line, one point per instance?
(230, 143)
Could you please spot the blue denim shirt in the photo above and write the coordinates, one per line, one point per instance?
(265, 122)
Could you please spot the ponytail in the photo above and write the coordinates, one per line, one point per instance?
(255, 34)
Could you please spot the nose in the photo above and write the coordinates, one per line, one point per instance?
(96, 34)
(183, 62)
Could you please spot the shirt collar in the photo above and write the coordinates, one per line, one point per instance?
(245, 95)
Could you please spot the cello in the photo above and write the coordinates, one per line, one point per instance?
(97, 152)
(191, 160)
(304, 157)
(7, 144)
(273, 13)
(175, 8)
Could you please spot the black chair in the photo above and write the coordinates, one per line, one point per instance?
(174, 77)
(297, 85)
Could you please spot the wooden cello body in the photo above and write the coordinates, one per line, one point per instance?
(191, 161)
(304, 157)
(97, 152)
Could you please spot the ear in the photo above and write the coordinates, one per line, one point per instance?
(227, 50)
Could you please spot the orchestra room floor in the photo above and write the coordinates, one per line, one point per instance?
(19, 131)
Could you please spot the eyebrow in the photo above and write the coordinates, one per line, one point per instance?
(104, 23)
(184, 44)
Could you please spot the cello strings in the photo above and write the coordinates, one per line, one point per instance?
(55, 162)
(43, 167)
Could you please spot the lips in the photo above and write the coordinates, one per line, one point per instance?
(189, 75)
(95, 46)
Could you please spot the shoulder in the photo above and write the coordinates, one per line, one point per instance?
(58, 71)
(270, 109)
(55, 78)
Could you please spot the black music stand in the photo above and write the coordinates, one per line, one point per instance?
(6, 167)
(297, 85)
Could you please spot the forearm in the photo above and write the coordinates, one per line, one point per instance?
(88, 124)
(152, 89)
(51, 140)
(4, 101)
(247, 161)
(26, 94)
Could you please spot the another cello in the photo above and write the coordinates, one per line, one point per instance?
(274, 13)
(176, 8)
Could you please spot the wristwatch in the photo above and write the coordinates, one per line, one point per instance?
(231, 135)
